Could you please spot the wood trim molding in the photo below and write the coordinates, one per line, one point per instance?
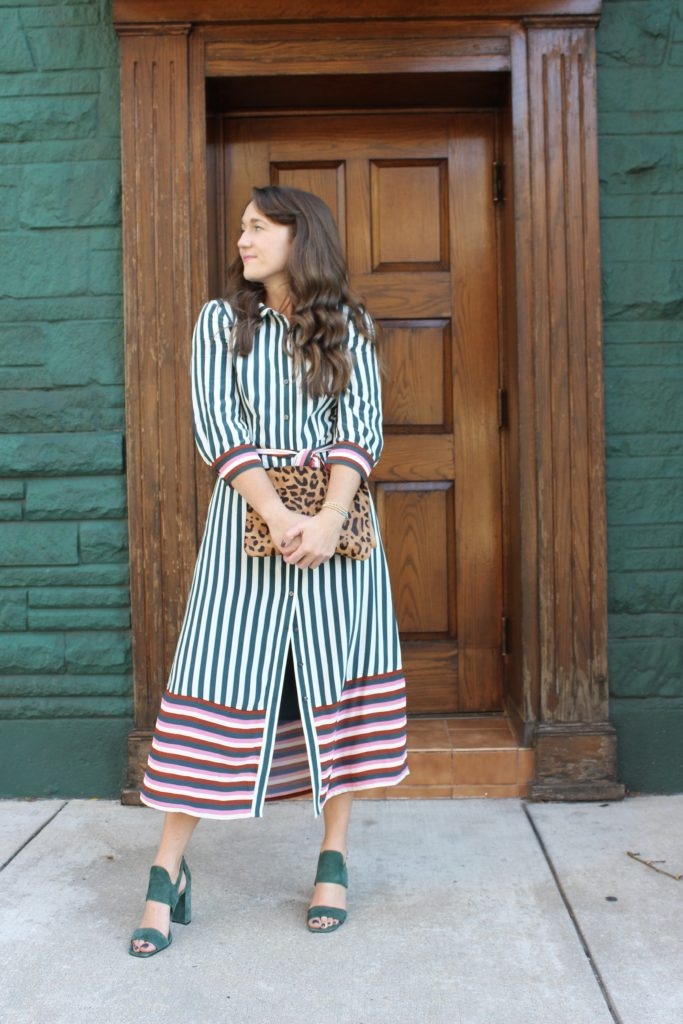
(237, 57)
(203, 12)
(568, 375)
(155, 28)
(157, 315)
(576, 762)
(576, 745)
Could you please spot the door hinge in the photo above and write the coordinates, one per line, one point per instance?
(505, 636)
(498, 181)
(502, 408)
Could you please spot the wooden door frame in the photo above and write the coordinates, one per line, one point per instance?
(556, 574)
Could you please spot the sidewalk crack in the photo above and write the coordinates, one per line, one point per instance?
(33, 836)
(616, 1016)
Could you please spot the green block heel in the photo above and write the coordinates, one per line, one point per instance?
(162, 890)
(331, 868)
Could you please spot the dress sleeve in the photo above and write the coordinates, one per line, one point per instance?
(221, 433)
(358, 433)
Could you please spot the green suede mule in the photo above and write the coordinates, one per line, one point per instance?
(331, 868)
(162, 890)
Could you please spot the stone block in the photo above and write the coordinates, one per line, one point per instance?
(39, 544)
(58, 195)
(97, 651)
(617, 355)
(643, 238)
(645, 559)
(45, 263)
(644, 400)
(109, 110)
(96, 575)
(641, 164)
(85, 352)
(643, 123)
(28, 707)
(31, 652)
(73, 47)
(91, 497)
(74, 409)
(646, 667)
(11, 489)
(59, 15)
(11, 511)
(79, 597)
(648, 88)
(103, 542)
(643, 291)
(22, 344)
(46, 83)
(649, 748)
(63, 757)
(644, 501)
(637, 445)
(649, 468)
(634, 33)
(13, 614)
(643, 592)
(55, 454)
(28, 118)
(9, 208)
(65, 685)
(15, 54)
(628, 333)
(62, 308)
(78, 618)
(106, 272)
(650, 626)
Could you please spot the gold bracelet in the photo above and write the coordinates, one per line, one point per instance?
(336, 508)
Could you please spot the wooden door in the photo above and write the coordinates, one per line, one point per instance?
(412, 195)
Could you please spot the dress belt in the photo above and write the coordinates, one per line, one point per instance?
(304, 457)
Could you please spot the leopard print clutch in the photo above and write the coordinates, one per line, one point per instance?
(303, 489)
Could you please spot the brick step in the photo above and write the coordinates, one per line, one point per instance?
(462, 757)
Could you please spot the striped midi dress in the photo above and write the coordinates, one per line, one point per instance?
(220, 747)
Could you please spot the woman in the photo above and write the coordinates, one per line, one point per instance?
(287, 677)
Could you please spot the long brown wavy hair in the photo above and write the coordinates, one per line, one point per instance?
(322, 298)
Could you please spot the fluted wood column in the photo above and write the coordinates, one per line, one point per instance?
(576, 749)
(157, 267)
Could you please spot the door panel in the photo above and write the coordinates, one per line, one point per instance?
(413, 200)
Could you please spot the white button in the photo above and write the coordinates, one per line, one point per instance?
(286, 416)
(291, 593)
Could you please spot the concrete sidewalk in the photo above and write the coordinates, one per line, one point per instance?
(460, 912)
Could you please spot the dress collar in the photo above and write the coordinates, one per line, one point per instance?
(265, 311)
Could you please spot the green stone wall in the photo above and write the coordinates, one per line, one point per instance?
(640, 103)
(65, 676)
(65, 687)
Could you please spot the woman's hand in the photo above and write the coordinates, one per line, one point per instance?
(312, 541)
(283, 522)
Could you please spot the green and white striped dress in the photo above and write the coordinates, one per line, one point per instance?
(218, 748)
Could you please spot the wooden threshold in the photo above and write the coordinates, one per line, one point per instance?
(458, 757)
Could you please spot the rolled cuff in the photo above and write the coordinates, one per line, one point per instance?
(346, 453)
(231, 463)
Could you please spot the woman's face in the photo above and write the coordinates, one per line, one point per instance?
(264, 247)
